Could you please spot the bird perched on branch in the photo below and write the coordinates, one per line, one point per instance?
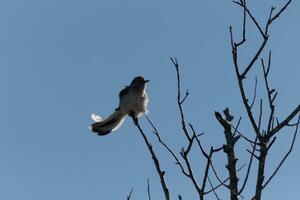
(133, 102)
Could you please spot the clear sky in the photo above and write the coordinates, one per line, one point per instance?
(61, 60)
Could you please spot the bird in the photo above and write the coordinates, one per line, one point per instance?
(133, 102)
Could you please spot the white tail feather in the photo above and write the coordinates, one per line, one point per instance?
(96, 118)
(105, 126)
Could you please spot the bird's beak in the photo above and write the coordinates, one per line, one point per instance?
(147, 81)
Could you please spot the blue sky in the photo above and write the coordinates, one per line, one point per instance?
(62, 60)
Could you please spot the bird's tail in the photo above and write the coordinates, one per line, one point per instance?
(110, 124)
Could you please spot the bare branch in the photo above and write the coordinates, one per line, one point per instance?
(208, 163)
(255, 57)
(243, 2)
(254, 95)
(231, 38)
(223, 182)
(285, 122)
(209, 157)
(214, 191)
(185, 96)
(242, 135)
(191, 175)
(179, 101)
(148, 190)
(271, 143)
(279, 13)
(156, 162)
(237, 126)
(266, 70)
(252, 18)
(260, 113)
(286, 155)
(294, 124)
(261, 168)
(167, 147)
(130, 193)
(249, 168)
(231, 158)
(269, 19)
(241, 87)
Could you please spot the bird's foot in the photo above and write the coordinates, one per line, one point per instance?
(134, 118)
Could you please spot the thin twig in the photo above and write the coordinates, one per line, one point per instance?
(242, 135)
(223, 182)
(148, 190)
(208, 157)
(260, 113)
(166, 146)
(179, 101)
(266, 70)
(212, 187)
(241, 87)
(237, 126)
(156, 162)
(254, 95)
(208, 163)
(280, 11)
(130, 193)
(252, 18)
(249, 168)
(255, 57)
(191, 175)
(285, 121)
(269, 19)
(286, 155)
(243, 2)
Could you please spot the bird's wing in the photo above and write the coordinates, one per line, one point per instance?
(124, 91)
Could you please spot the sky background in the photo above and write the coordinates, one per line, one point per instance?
(61, 60)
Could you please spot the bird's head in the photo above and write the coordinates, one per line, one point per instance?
(139, 82)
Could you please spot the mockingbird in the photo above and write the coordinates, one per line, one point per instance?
(133, 102)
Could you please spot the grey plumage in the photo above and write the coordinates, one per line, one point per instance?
(133, 102)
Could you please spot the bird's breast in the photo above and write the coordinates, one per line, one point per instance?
(136, 102)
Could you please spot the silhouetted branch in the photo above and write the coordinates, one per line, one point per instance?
(286, 155)
(214, 191)
(242, 135)
(252, 17)
(208, 163)
(166, 146)
(191, 174)
(148, 190)
(223, 182)
(179, 101)
(254, 95)
(249, 167)
(243, 2)
(156, 162)
(266, 70)
(208, 160)
(279, 13)
(285, 122)
(260, 113)
(130, 193)
(261, 168)
(241, 86)
(229, 150)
